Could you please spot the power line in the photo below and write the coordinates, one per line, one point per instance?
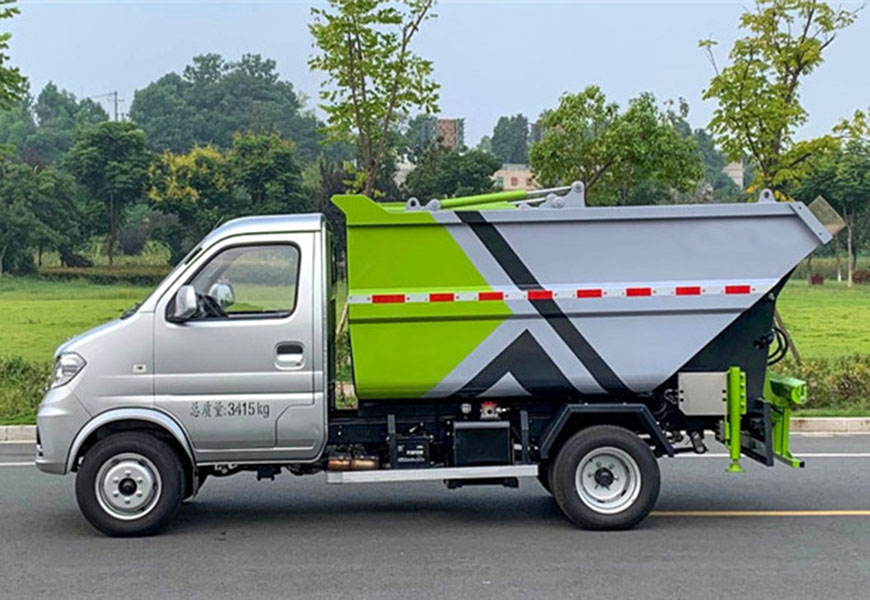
(113, 96)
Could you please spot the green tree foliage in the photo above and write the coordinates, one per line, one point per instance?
(196, 188)
(510, 139)
(214, 99)
(41, 131)
(12, 82)
(373, 79)
(843, 179)
(443, 173)
(758, 102)
(420, 133)
(111, 161)
(259, 174)
(485, 144)
(614, 152)
(39, 211)
(265, 168)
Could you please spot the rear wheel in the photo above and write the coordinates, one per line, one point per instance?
(130, 484)
(605, 477)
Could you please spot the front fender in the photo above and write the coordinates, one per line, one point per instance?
(148, 415)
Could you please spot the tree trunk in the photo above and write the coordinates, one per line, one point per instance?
(39, 256)
(111, 249)
(369, 187)
(839, 267)
(2, 255)
(810, 269)
(850, 261)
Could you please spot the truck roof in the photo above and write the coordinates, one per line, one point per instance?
(265, 224)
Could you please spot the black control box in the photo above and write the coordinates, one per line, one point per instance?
(412, 452)
(481, 443)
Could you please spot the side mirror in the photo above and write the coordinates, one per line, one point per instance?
(223, 293)
(185, 304)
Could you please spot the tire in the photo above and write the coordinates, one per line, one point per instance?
(544, 477)
(130, 484)
(605, 478)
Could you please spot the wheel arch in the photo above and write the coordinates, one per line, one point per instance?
(135, 419)
(575, 417)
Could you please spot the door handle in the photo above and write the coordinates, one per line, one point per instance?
(289, 355)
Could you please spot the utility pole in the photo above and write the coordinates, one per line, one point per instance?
(113, 96)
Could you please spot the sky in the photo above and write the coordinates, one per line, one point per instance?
(491, 58)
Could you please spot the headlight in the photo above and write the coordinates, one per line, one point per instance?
(66, 367)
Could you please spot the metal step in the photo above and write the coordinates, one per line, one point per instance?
(436, 474)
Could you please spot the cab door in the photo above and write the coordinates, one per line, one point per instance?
(247, 356)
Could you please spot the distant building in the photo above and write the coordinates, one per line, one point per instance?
(734, 170)
(515, 177)
(451, 133)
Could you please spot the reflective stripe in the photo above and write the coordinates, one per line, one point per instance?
(601, 292)
(388, 298)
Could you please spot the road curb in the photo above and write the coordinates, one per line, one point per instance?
(18, 433)
(27, 433)
(831, 424)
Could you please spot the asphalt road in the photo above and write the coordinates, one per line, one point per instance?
(299, 538)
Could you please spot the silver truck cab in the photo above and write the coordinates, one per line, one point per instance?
(248, 387)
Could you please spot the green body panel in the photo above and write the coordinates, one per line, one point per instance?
(736, 409)
(403, 350)
(783, 393)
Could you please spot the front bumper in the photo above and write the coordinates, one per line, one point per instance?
(61, 416)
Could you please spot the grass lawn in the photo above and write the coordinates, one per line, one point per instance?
(827, 321)
(37, 316)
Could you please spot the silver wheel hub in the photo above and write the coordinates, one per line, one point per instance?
(608, 480)
(128, 486)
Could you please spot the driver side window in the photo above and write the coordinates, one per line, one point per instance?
(252, 280)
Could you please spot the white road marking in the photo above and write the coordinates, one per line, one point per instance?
(17, 464)
(799, 455)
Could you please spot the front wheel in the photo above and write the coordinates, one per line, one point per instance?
(130, 484)
(605, 477)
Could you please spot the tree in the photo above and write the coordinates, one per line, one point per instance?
(510, 139)
(258, 175)
(39, 211)
(443, 173)
(485, 144)
(843, 179)
(19, 223)
(758, 103)
(196, 188)
(12, 82)
(265, 167)
(373, 79)
(41, 131)
(214, 99)
(111, 160)
(614, 152)
(420, 133)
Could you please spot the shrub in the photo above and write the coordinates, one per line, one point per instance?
(833, 383)
(132, 238)
(862, 276)
(22, 385)
(145, 275)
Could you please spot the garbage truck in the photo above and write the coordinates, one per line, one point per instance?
(492, 339)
